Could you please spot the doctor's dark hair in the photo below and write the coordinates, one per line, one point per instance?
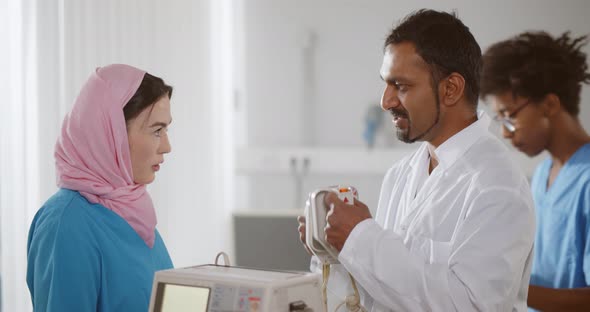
(534, 64)
(445, 44)
(150, 90)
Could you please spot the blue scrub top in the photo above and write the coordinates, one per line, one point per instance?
(562, 242)
(85, 257)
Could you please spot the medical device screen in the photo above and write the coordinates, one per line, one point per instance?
(181, 298)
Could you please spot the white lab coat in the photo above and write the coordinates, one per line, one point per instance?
(458, 240)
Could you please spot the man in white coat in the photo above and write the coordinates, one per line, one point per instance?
(454, 227)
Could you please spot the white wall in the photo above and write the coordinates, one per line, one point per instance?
(350, 37)
(349, 40)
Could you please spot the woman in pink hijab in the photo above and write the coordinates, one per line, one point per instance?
(93, 246)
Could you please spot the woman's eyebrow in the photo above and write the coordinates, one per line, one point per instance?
(160, 124)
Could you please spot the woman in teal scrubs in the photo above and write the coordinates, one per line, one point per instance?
(534, 82)
(93, 246)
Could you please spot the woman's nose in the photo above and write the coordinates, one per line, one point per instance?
(165, 146)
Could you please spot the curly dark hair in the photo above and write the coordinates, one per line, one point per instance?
(534, 64)
(445, 44)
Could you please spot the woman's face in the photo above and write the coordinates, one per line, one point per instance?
(148, 140)
(532, 128)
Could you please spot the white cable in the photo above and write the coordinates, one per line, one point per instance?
(352, 302)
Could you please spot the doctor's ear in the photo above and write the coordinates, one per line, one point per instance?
(452, 89)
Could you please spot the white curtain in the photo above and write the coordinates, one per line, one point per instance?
(52, 48)
(31, 93)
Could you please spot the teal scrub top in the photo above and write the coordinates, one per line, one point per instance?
(562, 241)
(84, 257)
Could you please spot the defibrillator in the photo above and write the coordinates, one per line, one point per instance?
(316, 212)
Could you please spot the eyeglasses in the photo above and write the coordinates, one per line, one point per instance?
(508, 120)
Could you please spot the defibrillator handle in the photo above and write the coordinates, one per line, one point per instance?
(315, 222)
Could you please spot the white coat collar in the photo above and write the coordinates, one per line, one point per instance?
(454, 147)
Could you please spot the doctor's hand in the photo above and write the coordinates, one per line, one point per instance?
(342, 218)
(301, 220)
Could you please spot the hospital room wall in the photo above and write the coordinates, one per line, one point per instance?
(311, 70)
(348, 47)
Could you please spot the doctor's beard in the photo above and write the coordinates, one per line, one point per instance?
(404, 135)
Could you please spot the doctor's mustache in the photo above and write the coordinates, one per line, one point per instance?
(398, 113)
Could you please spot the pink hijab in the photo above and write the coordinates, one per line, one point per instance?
(92, 153)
